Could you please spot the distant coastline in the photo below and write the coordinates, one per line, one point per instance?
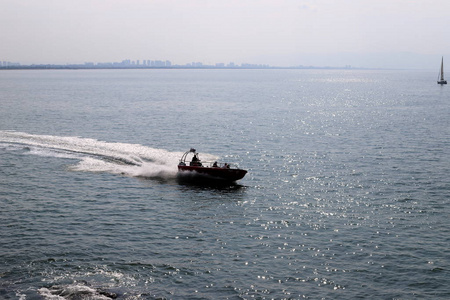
(148, 64)
(64, 67)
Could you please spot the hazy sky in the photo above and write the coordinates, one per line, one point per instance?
(362, 33)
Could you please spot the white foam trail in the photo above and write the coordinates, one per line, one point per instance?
(47, 294)
(73, 291)
(100, 156)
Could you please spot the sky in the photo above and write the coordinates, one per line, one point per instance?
(362, 33)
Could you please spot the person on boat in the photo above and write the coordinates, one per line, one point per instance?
(215, 165)
(226, 166)
(195, 161)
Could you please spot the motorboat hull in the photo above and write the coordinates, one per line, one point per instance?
(217, 173)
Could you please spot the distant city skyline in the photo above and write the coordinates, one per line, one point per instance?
(391, 61)
(362, 33)
(128, 63)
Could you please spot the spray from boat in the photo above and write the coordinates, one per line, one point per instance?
(92, 155)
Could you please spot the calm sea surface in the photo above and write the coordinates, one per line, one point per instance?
(347, 194)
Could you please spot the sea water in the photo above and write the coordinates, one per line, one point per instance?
(347, 192)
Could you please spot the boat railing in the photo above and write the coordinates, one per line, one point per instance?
(206, 164)
(215, 164)
(212, 164)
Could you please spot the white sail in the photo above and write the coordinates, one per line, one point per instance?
(441, 79)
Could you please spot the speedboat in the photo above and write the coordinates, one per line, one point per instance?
(212, 170)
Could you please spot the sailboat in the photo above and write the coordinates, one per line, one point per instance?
(441, 79)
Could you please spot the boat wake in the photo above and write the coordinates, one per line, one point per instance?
(97, 156)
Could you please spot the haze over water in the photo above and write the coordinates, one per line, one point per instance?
(346, 195)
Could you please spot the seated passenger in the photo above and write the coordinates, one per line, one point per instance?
(195, 161)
